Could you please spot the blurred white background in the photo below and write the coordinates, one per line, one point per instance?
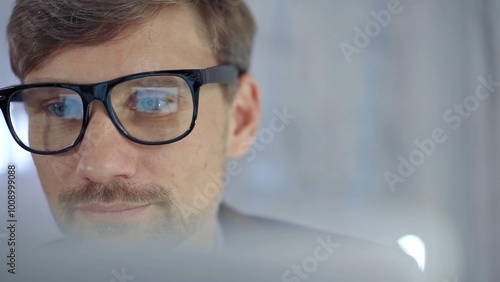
(355, 116)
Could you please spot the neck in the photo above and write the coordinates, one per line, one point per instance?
(205, 237)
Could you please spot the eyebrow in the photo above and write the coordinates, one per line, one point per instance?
(49, 80)
(67, 81)
(145, 82)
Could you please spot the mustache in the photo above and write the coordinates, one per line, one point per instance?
(115, 192)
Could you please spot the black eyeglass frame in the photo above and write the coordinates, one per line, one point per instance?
(195, 78)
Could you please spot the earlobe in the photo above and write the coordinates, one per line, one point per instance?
(244, 117)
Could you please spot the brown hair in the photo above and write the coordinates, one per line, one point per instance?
(39, 29)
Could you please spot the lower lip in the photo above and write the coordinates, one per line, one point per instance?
(111, 213)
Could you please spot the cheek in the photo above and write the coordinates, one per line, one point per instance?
(58, 167)
(184, 162)
(196, 161)
(55, 173)
(209, 136)
(212, 115)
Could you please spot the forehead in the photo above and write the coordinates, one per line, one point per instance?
(172, 39)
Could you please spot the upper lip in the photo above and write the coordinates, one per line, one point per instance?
(112, 207)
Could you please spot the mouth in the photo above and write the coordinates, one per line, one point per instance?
(112, 212)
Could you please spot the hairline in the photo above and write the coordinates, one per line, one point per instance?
(135, 26)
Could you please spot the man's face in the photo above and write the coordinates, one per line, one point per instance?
(112, 187)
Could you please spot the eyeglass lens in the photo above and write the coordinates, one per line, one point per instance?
(150, 109)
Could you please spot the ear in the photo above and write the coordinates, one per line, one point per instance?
(244, 117)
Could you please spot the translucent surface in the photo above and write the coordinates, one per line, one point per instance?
(372, 130)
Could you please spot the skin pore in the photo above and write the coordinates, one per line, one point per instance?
(122, 190)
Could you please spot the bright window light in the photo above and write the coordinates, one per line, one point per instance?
(414, 247)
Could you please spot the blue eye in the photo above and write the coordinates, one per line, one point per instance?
(156, 100)
(57, 109)
(150, 104)
(67, 108)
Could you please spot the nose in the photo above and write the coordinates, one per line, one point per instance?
(104, 154)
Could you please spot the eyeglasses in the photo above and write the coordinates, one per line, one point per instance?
(151, 108)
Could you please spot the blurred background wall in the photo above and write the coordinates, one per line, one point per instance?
(369, 86)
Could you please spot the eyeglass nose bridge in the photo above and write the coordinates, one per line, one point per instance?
(98, 92)
(91, 93)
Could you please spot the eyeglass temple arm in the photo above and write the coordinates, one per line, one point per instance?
(15, 99)
(4, 95)
(221, 74)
